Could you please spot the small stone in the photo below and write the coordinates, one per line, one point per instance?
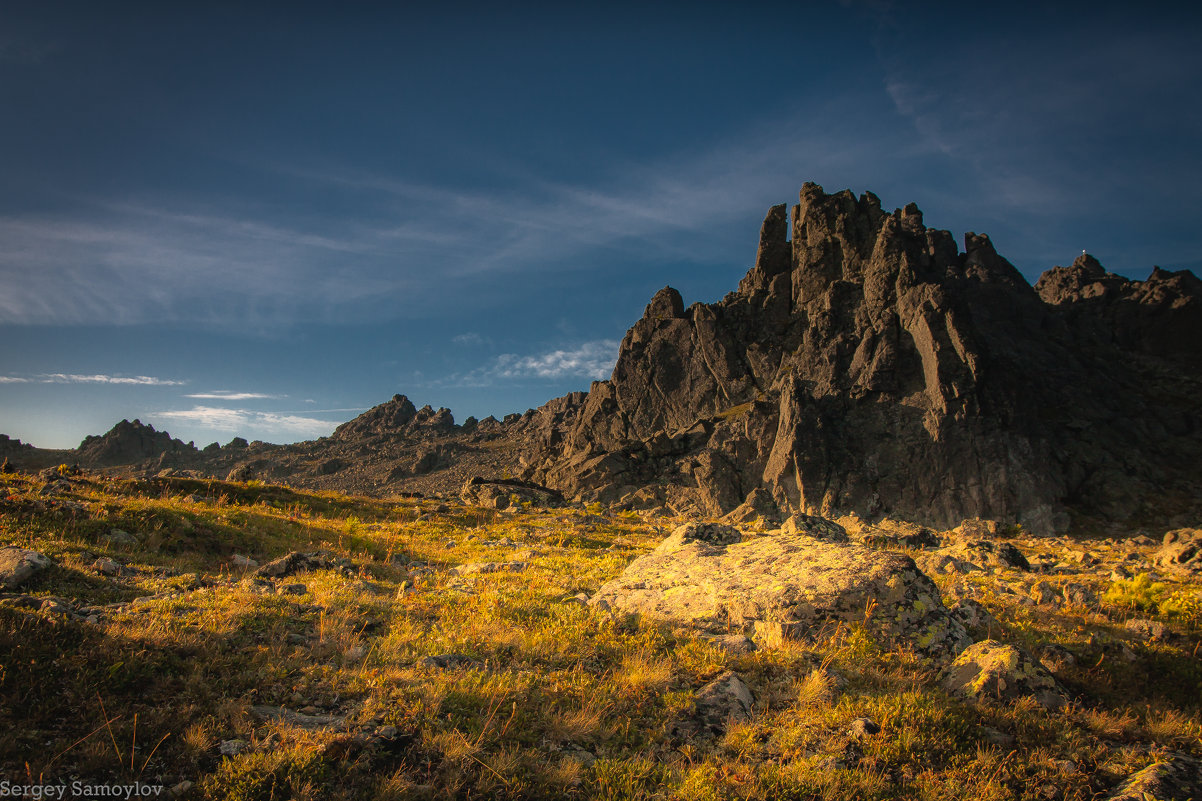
(1147, 629)
(232, 747)
(119, 537)
(1056, 658)
(491, 567)
(181, 788)
(293, 589)
(244, 562)
(864, 727)
(734, 644)
(579, 598)
(994, 737)
(1043, 593)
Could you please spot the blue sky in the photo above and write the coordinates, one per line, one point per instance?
(260, 219)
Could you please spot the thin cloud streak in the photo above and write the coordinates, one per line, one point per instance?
(76, 378)
(234, 396)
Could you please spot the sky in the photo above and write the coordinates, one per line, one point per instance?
(260, 219)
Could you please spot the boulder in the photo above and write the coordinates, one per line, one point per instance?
(18, 565)
(297, 562)
(817, 527)
(496, 493)
(994, 554)
(1175, 778)
(791, 586)
(991, 670)
(722, 701)
(1182, 550)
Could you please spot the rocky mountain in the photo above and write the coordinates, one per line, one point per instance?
(865, 365)
(868, 365)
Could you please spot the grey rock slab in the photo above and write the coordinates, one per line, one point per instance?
(788, 584)
(266, 714)
(491, 567)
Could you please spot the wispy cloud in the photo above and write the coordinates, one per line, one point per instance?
(469, 338)
(247, 420)
(590, 360)
(160, 259)
(233, 396)
(77, 378)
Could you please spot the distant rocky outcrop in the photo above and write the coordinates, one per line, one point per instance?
(866, 364)
(128, 443)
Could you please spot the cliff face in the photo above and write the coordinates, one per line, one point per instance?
(866, 364)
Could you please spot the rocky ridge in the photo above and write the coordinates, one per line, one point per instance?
(866, 365)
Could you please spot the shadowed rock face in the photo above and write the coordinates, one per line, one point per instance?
(129, 442)
(866, 364)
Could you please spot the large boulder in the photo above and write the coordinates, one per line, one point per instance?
(498, 492)
(786, 585)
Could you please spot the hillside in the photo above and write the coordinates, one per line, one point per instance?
(251, 641)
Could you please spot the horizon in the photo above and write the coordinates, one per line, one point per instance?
(226, 222)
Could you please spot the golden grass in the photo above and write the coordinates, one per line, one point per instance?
(542, 698)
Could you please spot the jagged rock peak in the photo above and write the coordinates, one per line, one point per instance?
(667, 304)
(869, 365)
(396, 416)
(385, 418)
(129, 442)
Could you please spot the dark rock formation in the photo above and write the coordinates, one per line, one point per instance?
(386, 418)
(127, 443)
(867, 365)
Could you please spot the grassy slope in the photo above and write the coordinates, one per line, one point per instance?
(555, 700)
